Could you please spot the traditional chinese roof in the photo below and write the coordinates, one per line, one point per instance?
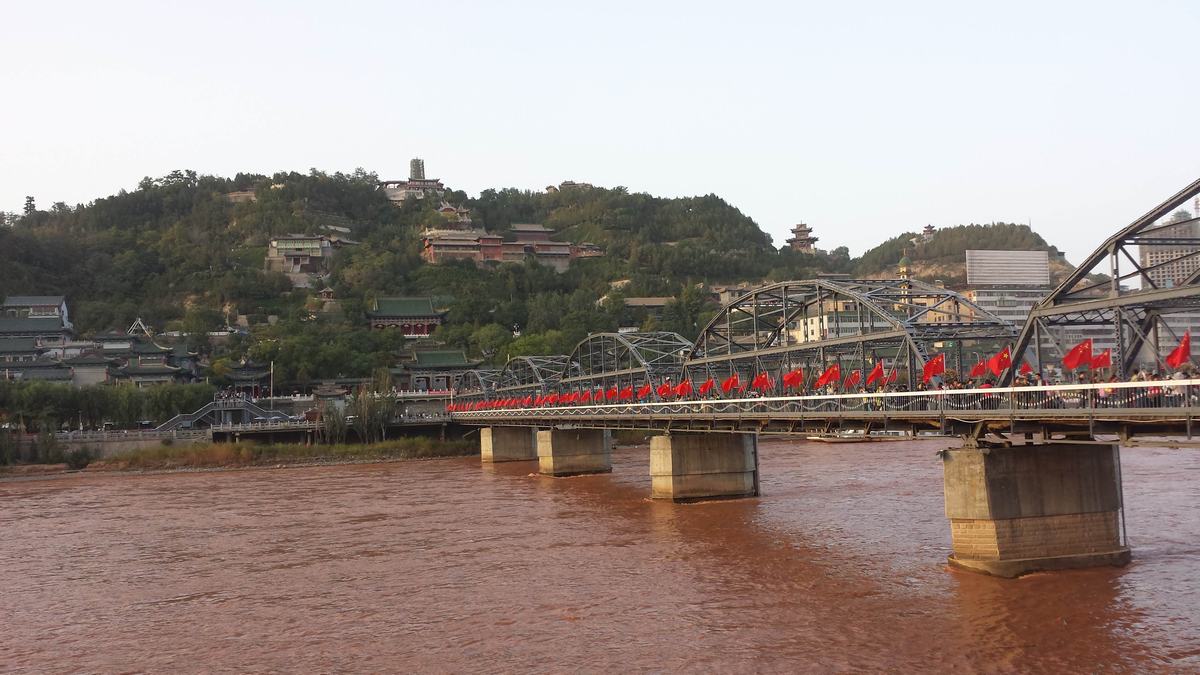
(59, 374)
(140, 347)
(20, 345)
(88, 360)
(149, 369)
(25, 325)
(402, 307)
(447, 358)
(33, 300)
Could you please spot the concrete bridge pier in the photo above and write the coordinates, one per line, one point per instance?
(507, 444)
(1020, 509)
(689, 466)
(570, 452)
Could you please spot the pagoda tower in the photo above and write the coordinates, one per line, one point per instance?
(802, 239)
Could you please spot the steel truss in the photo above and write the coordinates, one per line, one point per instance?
(1099, 298)
(607, 360)
(812, 324)
(479, 381)
(530, 374)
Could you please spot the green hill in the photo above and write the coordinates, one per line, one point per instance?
(179, 252)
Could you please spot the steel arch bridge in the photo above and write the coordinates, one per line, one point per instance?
(480, 381)
(607, 360)
(1099, 299)
(808, 324)
(529, 375)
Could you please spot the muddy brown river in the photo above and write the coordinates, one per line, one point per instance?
(449, 566)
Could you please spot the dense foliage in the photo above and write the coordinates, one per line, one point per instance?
(46, 406)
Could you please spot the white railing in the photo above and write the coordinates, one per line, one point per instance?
(1146, 397)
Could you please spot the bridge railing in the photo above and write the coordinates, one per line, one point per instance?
(1161, 395)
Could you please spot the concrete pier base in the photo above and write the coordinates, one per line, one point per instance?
(507, 444)
(690, 466)
(1015, 510)
(570, 452)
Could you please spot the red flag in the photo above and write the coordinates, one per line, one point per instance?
(1103, 359)
(528, 400)
(553, 398)
(707, 386)
(598, 396)
(644, 391)
(933, 367)
(794, 379)
(730, 383)
(1026, 368)
(852, 379)
(1080, 355)
(895, 375)
(832, 374)
(1000, 362)
(762, 381)
(627, 393)
(979, 369)
(586, 397)
(1183, 353)
(684, 388)
(612, 394)
(665, 389)
(876, 373)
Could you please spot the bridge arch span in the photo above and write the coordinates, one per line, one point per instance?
(625, 359)
(813, 323)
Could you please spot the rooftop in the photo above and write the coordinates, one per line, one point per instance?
(403, 307)
(49, 324)
(18, 345)
(33, 300)
(528, 227)
(442, 359)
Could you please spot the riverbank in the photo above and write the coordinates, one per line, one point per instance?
(247, 455)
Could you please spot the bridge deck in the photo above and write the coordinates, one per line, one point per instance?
(1127, 408)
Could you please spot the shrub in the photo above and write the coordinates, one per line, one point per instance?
(79, 459)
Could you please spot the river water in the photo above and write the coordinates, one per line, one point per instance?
(450, 566)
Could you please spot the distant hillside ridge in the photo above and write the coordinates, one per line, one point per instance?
(942, 256)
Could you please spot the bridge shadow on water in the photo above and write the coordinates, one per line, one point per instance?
(841, 564)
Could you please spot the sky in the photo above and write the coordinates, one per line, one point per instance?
(863, 119)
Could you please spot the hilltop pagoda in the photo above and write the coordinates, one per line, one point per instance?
(802, 239)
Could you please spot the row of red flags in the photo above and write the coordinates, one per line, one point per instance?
(1079, 355)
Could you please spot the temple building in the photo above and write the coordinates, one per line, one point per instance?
(527, 241)
(416, 187)
(802, 239)
(42, 317)
(413, 317)
(432, 370)
(250, 378)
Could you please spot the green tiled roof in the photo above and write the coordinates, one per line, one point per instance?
(88, 360)
(18, 345)
(414, 307)
(442, 359)
(44, 326)
(151, 369)
(33, 300)
(54, 374)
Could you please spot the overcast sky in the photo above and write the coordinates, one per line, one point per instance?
(862, 119)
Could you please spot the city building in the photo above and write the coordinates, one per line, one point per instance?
(1008, 268)
(413, 317)
(1176, 255)
(19, 350)
(416, 187)
(42, 317)
(802, 239)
